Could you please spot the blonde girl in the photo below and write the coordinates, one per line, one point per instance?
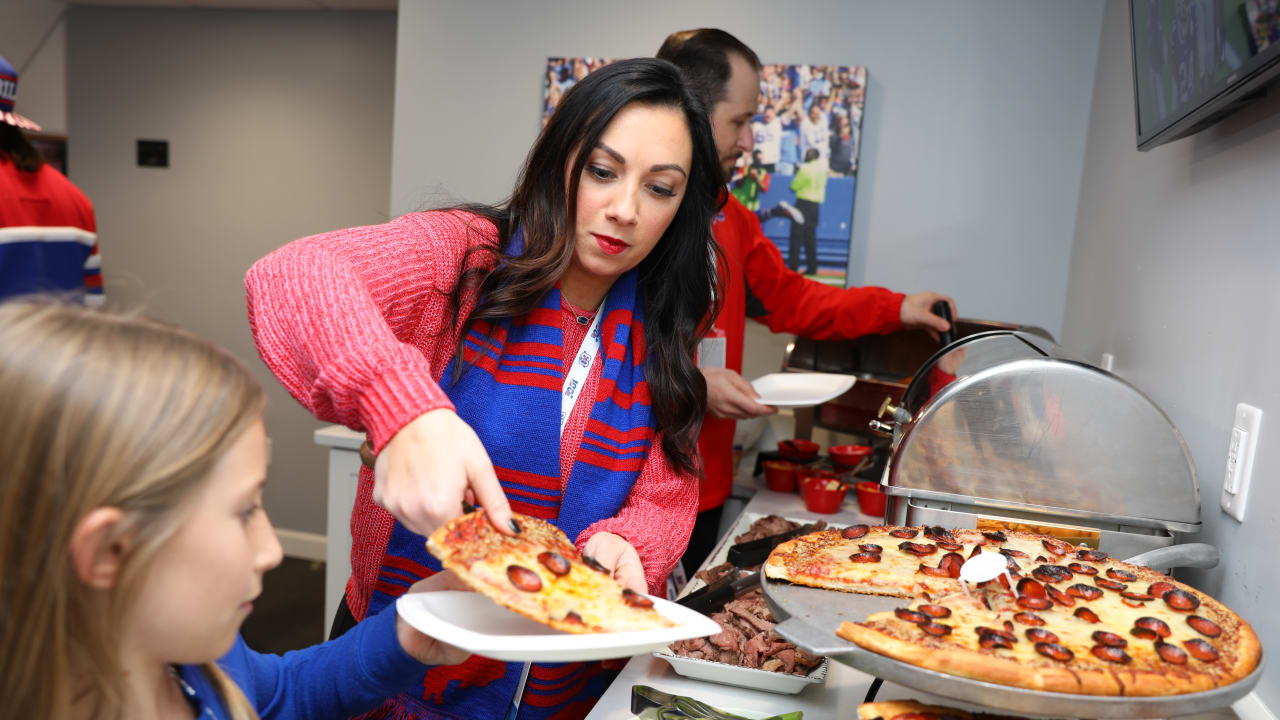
(133, 540)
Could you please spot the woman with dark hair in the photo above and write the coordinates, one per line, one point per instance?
(535, 356)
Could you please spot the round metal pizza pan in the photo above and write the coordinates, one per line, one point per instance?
(809, 616)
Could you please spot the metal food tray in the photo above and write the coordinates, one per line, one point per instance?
(809, 617)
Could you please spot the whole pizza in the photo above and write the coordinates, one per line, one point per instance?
(1074, 620)
(539, 574)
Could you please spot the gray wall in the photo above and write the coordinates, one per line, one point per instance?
(33, 38)
(1174, 271)
(279, 126)
(973, 134)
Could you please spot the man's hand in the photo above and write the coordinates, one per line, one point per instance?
(917, 312)
(618, 557)
(430, 466)
(424, 648)
(731, 396)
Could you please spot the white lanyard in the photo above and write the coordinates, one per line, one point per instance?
(574, 380)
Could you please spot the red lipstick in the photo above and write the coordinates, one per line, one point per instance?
(609, 244)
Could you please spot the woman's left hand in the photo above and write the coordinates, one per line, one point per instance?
(424, 648)
(618, 557)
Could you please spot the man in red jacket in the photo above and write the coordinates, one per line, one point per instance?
(725, 73)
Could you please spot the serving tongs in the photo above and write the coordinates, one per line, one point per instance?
(648, 702)
(755, 552)
(724, 589)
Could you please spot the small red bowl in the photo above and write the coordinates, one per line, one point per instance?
(780, 475)
(798, 449)
(847, 457)
(870, 500)
(822, 494)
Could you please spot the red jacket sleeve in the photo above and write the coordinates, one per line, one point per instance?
(800, 306)
(348, 320)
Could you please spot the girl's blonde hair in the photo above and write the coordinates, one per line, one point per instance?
(99, 409)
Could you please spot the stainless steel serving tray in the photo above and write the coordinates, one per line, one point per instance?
(810, 616)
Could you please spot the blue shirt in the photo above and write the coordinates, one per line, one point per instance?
(340, 678)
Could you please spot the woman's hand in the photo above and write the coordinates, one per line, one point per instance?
(917, 312)
(729, 395)
(424, 648)
(618, 557)
(430, 467)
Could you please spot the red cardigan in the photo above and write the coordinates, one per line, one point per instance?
(351, 323)
(791, 304)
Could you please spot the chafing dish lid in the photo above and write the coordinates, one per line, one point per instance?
(1012, 418)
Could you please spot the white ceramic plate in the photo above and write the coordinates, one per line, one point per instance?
(474, 623)
(800, 389)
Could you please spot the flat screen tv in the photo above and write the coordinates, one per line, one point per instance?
(1194, 61)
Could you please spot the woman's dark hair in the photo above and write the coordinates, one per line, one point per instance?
(15, 146)
(676, 280)
(703, 56)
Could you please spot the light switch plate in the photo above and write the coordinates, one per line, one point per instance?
(1241, 445)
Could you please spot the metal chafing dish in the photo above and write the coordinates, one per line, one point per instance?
(1007, 427)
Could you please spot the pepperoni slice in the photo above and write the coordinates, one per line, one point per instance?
(524, 578)
(1060, 597)
(635, 599)
(1204, 626)
(1110, 654)
(994, 641)
(951, 562)
(1090, 555)
(1030, 588)
(977, 549)
(853, 532)
(995, 536)
(573, 617)
(1033, 603)
(1110, 639)
(1181, 600)
(1055, 546)
(595, 565)
(1010, 552)
(1087, 615)
(1109, 584)
(904, 533)
(911, 616)
(937, 532)
(871, 547)
(1201, 650)
(1156, 625)
(935, 611)
(984, 630)
(1082, 569)
(865, 557)
(1051, 573)
(1040, 635)
(935, 629)
(1144, 634)
(1121, 575)
(1158, 589)
(1084, 592)
(1171, 653)
(1027, 618)
(947, 545)
(1054, 651)
(917, 549)
(933, 571)
(554, 562)
(1136, 596)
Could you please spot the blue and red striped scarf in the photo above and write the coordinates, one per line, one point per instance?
(510, 395)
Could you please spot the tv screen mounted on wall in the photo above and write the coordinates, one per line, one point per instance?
(1195, 61)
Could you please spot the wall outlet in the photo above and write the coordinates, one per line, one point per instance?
(1240, 452)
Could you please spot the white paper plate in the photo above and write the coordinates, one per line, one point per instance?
(753, 678)
(800, 389)
(472, 622)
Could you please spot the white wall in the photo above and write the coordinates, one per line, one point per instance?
(33, 38)
(1174, 271)
(279, 126)
(972, 140)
